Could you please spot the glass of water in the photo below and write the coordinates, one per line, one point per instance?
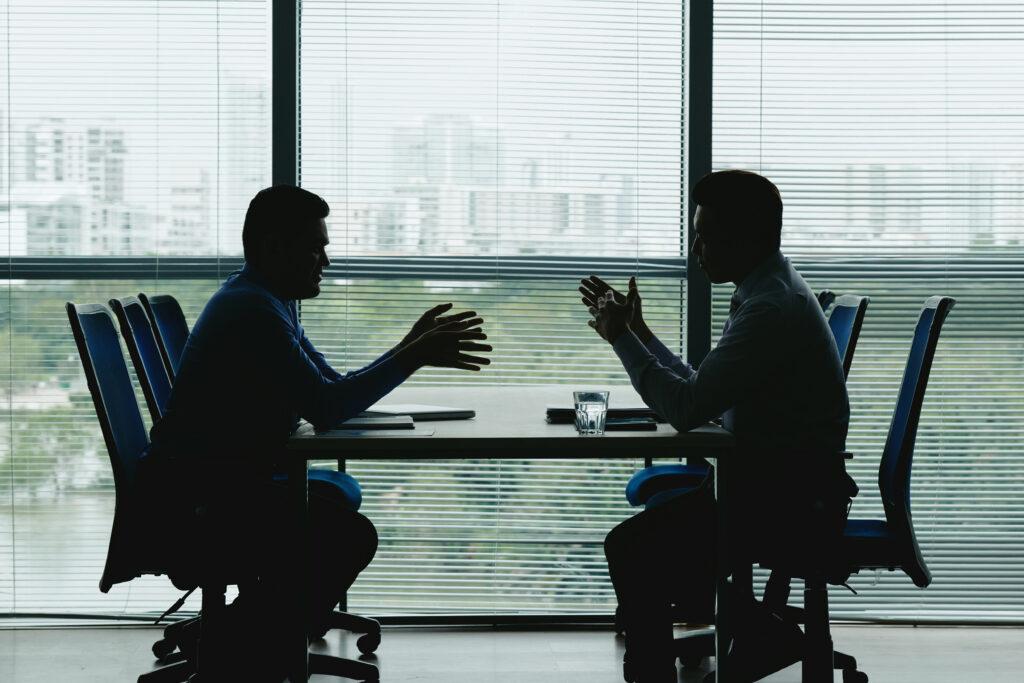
(591, 411)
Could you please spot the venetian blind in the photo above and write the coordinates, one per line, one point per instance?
(894, 133)
(132, 135)
(490, 154)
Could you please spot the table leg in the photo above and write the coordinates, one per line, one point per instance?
(723, 593)
(298, 629)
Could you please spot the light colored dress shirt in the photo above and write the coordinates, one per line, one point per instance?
(775, 377)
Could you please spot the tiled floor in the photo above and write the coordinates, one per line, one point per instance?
(900, 654)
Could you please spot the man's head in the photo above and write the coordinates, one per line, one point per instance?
(738, 223)
(285, 238)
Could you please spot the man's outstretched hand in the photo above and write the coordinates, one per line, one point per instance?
(448, 342)
(596, 293)
(433, 318)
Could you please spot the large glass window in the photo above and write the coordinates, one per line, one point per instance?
(891, 132)
(490, 154)
(132, 136)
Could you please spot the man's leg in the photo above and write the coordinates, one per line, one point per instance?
(344, 543)
(659, 558)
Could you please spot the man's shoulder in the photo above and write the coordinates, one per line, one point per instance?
(239, 302)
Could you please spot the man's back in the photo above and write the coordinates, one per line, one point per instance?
(228, 399)
(795, 398)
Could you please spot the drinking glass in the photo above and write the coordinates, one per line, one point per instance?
(591, 411)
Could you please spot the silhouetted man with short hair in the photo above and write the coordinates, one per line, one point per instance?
(776, 381)
(247, 375)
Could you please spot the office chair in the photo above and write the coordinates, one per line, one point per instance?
(129, 555)
(656, 483)
(164, 315)
(866, 543)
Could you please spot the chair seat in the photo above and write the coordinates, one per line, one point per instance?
(346, 483)
(869, 544)
(660, 478)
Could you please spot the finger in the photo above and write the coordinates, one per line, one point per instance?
(455, 317)
(593, 311)
(591, 287)
(437, 310)
(589, 301)
(473, 346)
(463, 335)
(600, 284)
(632, 284)
(457, 325)
(592, 323)
(477, 360)
(462, 366)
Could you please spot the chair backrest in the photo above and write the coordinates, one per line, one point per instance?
(897, 457)
(124, 433)
(845, 321)
(170, 327)
(144, 352)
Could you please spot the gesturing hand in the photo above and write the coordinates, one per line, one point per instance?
(611, 318)
(448, 346)
(594, 289)
(432, 318)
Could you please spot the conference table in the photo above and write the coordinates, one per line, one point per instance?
(510, 424)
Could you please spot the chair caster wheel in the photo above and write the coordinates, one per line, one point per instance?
(368, 643)
(162, 648)
(692, 662)
(854, 676)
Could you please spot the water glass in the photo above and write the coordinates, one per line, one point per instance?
(591, 411)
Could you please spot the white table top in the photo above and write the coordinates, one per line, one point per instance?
(510, 423)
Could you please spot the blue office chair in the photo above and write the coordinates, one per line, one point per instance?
(865, 544)
(657, 483)
(170, 328)
(131, 553)
(144, 352)
(125, 437)
(874, 543)
(164, 314)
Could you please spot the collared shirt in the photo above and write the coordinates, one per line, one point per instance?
(248, 373)
(774, 377)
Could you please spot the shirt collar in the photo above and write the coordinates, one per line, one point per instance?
(249, 273)
(749, 285)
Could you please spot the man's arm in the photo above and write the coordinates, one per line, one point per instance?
(321, 362)
(741, 363)
(667, 358)
(319, 393)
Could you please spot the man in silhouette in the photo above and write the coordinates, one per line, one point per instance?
(247, 375)
(776, 381)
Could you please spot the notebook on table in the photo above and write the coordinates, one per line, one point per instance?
(419, 412)
(561, 415)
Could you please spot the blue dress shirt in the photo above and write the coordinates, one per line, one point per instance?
(249, 372)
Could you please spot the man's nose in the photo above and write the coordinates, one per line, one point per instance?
(325, 259)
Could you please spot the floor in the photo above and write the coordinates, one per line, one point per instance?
(901, 654)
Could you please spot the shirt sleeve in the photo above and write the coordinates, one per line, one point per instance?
(321, 362)
(319, 394)
(669, 359)
(744, 361)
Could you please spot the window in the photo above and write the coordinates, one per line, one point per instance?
(490, 154)
(132, 136)
(887, 129)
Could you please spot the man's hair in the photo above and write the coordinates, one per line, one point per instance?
(748, 203)
(277, 210)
